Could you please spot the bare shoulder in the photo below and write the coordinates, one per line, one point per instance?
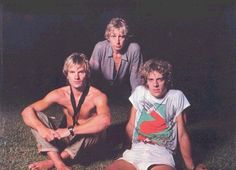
(96, 95)
(58, 94)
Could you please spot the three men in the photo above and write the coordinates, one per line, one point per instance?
(86, 111)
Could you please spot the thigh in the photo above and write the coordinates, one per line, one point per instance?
(160, 167)
(81, 143)
(42, 144)
(120, 165)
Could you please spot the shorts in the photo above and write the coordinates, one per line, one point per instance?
(71, 144)
(142, 156)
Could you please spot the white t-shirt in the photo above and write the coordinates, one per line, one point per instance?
(156, 118)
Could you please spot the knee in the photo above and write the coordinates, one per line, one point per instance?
(111, 167)
(44, 119)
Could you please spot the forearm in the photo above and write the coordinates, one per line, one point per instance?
(30, 118)
(129, 131)
(95, 124)
(186, 151)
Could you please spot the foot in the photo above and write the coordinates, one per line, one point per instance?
(41, 165)
(62, 166)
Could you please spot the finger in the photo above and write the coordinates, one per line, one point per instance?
(32, 166)
(50, 138)
(56, 135)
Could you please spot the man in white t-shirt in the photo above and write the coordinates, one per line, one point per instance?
(157, 123)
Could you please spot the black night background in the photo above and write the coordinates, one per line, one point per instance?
(197, 37)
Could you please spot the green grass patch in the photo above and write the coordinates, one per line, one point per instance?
(213, 141)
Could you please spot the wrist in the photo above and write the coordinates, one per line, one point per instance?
(71, 130)
(192, 168)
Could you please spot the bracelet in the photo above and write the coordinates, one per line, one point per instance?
(71, 130)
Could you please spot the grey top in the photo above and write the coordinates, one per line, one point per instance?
(103, 66)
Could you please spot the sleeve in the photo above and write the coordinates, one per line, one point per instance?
(95, 58)
(134, 98)
(95, 62)
(181, 103)
(137, 61)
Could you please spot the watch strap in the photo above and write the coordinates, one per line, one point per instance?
(71, 130)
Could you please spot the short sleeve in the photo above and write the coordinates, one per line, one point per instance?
(181, 102)
(136, 97)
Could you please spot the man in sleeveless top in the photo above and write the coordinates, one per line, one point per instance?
(157, 123)
(115, 61)
(86, 112)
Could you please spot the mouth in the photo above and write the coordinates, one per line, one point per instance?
(118, 46)
(78, 82)
(156, 90)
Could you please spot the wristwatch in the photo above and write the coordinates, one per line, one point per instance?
(71, 130)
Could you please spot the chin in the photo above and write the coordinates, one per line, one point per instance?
(77, 86)
(157, 95)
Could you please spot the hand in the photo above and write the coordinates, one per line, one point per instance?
(201, 167)
(48, 134)
(63, 132)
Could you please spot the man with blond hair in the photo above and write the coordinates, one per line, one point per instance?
(157, 123)
(86, 112)
(115, 61)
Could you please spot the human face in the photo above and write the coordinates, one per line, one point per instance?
(156, 84)
(117, 39)
(76, 75)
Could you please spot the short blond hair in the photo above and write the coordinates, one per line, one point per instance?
(118, 23)
(77, 59)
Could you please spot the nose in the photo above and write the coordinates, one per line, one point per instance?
(77, 76)
(118, 40)
(156, 84)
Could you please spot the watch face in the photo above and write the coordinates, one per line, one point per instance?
(71, 129)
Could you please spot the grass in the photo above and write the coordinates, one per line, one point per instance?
(18, 146)
(214, 142)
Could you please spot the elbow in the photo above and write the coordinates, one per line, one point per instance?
(24, 112)
(106, 121)
(27, 113)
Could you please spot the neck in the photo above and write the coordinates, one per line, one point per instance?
(77, 91)
(116, 53)
(163, 95)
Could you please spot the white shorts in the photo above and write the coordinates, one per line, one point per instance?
(142, 156)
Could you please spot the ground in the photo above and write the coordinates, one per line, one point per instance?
(213, 141)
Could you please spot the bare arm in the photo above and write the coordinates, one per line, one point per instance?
(130, 125)
(30, 118)
(100, 121)
(184, 142)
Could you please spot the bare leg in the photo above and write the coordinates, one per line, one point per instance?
(161, 167)
(54, 161)
(120, 165)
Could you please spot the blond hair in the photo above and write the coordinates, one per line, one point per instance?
(161, 66)
(77, 59)
(116, 23)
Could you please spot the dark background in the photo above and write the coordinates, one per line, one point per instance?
(197, 37)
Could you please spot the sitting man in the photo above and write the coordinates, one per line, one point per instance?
(156, 122)
(86, 111)
(115, 62)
